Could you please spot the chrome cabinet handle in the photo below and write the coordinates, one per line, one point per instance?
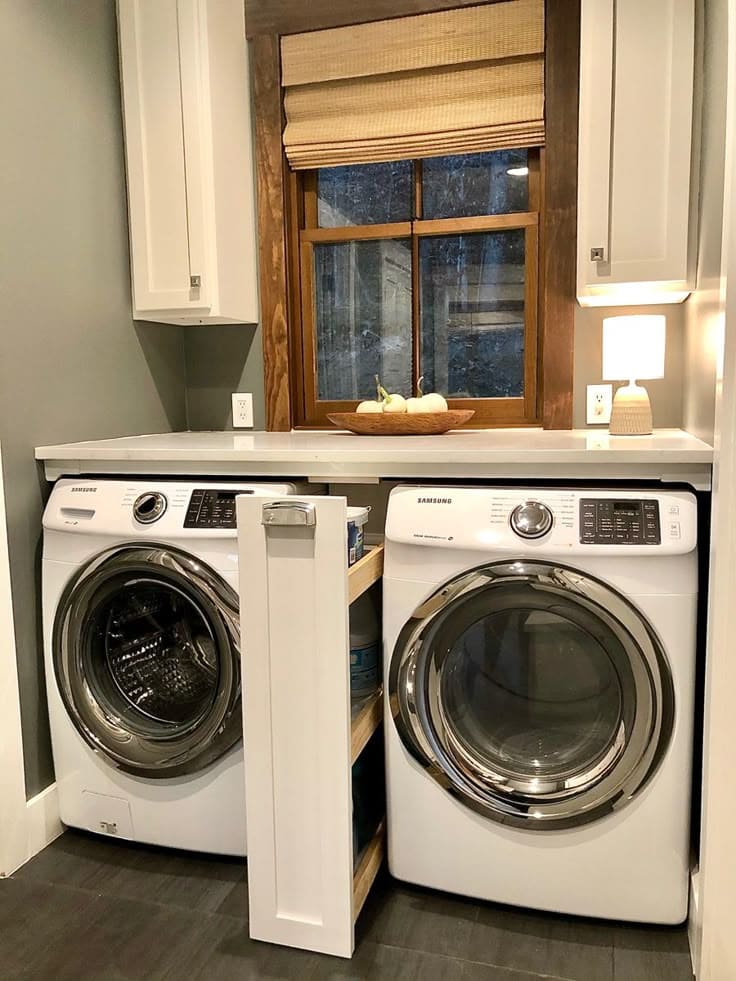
(297, 514)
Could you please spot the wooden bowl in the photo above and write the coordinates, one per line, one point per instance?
(401, 423)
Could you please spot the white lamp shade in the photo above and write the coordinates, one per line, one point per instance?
(633, 347)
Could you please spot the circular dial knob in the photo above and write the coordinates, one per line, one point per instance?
(149, 507)
(531, 519)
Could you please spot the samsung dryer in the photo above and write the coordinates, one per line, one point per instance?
(142, 655)
(540, 652)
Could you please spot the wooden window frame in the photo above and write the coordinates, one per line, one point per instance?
(311, 412)
(279, 216)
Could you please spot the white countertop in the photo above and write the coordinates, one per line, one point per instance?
(668, 454)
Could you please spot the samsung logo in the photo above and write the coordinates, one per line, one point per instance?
(434, 500)
(84, 490)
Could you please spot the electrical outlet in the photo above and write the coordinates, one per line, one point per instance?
(598, 405)
(242, 410)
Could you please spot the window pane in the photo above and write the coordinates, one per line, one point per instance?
(364, 194)
(475, 184)
(362, 317)
(472, 306)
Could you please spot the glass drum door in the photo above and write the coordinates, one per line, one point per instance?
(147, 660)
(534, 693)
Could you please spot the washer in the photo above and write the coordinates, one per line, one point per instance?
(539, 669)
(142, 655)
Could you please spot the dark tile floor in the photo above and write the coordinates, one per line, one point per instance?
(89, 909)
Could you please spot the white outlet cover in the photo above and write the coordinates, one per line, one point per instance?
(598, 404)
(242, 410)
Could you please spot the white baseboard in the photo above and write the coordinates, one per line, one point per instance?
(694, 920)
(37, 826)
(43, 824)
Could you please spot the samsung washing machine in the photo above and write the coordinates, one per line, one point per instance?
(540, 652)
(142, 654)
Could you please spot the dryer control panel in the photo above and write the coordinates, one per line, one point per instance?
(618, 521)
(545, 521)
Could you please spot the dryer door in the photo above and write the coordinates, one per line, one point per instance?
(147, 660)
(534, 693)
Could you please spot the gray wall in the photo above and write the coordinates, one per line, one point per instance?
(703, 322)
(72, 364)
(220, 361)
(665, 393)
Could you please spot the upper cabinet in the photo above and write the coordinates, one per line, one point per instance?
(188, 145)
(635, 148)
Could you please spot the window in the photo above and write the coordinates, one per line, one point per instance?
(424, 268)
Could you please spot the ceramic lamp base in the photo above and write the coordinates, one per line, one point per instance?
(631, 413)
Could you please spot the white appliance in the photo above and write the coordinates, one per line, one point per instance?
(539, 670)
(142, 653)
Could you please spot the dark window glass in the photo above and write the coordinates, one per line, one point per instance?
(475, 184)
(472, 314)
(364, 194)
(362, 317)
(532, 693)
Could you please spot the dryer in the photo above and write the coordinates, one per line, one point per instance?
(142, 656)
(540, 650)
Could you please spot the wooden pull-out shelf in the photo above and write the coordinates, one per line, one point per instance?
(367, 715)
(365, 572)
(367, 868)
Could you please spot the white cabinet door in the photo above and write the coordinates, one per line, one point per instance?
(190, 173)
(164, 181)
(635, 145)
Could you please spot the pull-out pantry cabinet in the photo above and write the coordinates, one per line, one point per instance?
(303, 733)
(189, 155)
(635, 140)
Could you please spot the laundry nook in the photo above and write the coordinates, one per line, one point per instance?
(368, 448)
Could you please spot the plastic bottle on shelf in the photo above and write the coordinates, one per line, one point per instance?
(365, 647)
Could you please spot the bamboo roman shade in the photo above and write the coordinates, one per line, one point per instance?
(458, 81)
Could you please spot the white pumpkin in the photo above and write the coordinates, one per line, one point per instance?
(370, 406)
(394, 403)
(414, 405)
(433, 402)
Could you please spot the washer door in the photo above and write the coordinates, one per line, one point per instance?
(534, 693)
(147, 660)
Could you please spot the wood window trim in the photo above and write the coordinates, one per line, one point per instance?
(311, 413)
(279, 272)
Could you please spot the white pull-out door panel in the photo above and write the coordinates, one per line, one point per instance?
(297, 724)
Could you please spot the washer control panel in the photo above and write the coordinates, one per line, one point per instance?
(619, 521)
(212, 508)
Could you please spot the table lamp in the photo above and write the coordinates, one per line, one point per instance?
(633, 348)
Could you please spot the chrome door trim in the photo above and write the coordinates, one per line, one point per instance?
(138, 752)
(625, 767)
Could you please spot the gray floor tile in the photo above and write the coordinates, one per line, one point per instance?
(542, 943)
(91, 909)
(643, 953)
(117, 868)
(235, 903)
(417, 919)
(34, 918)
(128, 940)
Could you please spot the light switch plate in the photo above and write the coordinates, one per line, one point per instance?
(598, 405)
(242, 410)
